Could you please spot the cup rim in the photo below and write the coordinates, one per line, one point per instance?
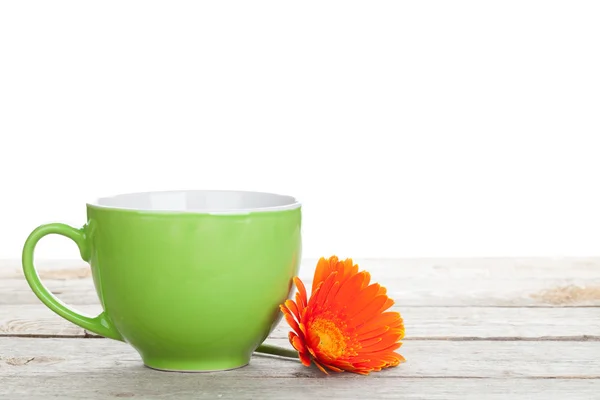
(291, 202)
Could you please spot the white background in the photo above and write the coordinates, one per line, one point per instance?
(450, 128)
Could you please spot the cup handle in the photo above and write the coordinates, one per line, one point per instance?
(101, 324)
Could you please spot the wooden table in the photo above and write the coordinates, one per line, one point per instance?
(476, 329)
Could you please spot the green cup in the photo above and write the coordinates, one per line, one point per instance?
(191, 279)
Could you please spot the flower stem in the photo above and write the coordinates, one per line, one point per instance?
(277, 351)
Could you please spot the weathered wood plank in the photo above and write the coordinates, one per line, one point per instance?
(11, 268)
(426, 359)
(412, 282)
(39, 321)
(514, 268)
(418, 292)
(112, 385)
(421, 322)
(80, 292)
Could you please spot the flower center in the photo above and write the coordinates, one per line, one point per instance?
(332, 342)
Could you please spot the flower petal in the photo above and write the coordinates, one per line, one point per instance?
(393, 359)
(399, 323)
(296, 342)
(320, 367)
(367, 354)
(302, 329)
(301, 300)
(332, 294)
(318, 298)
(383, 343)
(374, 333)
(387, 318)
(349, 289)
(293, 308)
(362, 299)
(367, 279)
(304, 359)
(361, 371)
(368, 313)
(370, 342)
(292, 323)
(388, 304)
(349, 268)
(322, 271)
(333, 368)
(312, 352)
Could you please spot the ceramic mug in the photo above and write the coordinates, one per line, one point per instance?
(191, 279)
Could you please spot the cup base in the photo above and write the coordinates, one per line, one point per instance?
(188, 366)
(198, 371)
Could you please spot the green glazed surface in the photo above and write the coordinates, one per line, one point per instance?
(189, 291)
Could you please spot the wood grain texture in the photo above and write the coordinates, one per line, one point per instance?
(95, 369)
(411, 282)
(426, 359)
(114, 386)
(421, 322)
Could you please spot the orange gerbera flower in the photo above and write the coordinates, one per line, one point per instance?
(344, 326)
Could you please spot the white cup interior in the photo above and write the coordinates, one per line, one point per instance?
(203, 201)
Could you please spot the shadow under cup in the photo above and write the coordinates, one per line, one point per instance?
(192, 280)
